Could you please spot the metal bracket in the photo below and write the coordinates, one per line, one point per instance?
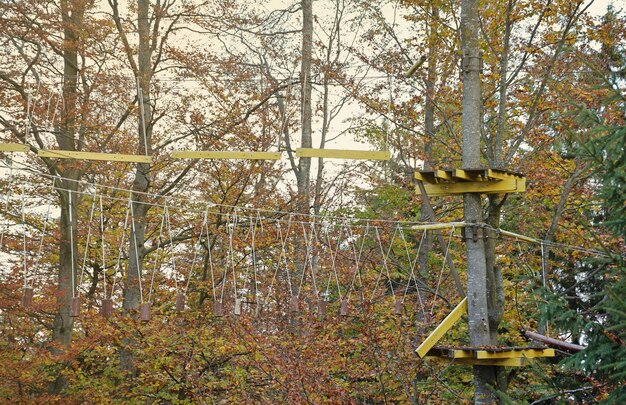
(474, 232)
(471, 63)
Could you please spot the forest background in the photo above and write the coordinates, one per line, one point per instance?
(270, 239)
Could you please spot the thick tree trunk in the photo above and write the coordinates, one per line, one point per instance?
(476, 263)
(72, 16)
(429, 132)
(306, 141)
(141, 184)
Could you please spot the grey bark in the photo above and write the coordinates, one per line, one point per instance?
(429, 132)
(303, 175)
(141, 183)
(72, 17)
(475, 247)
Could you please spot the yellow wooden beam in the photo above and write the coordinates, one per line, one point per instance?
(518, 362)
(430, 227)
(13, 147)
(462, 354)
(442, 328)
(463, 175)
(109, 157)
(230, 154)
(443, 175)
(420, 177)
(344, 154)
(497, 175)
(485, 187)
(518, 236)
(511, 354)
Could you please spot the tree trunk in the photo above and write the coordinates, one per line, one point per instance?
(304, 165)
(475, 247)
(429, 132)
(72, 16)
(141, 184)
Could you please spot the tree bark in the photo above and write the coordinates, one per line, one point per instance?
(476, 263)
(141, 183)
(304, 165)
(72, 17)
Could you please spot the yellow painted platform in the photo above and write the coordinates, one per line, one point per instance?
(459, 181)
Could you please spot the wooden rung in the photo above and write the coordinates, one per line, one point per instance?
(13, 147)
(366, 306)
(108, 157)
(259, 307)
(218, 309)
(321, 307)
(397, 310)
(27, 298)
(107, 308)
(75, 307)
(294, 305)
(180, 302)
(343, 154)
(343, 309)
(233, 154)
(144, 312)
(443, 327)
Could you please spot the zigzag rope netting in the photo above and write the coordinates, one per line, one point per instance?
(245, 261)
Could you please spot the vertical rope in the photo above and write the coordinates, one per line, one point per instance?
(8, 197)
(195, 251)
(169, 232)
(443, 266)
(208, 248)
(385, 257)
(333, 261)
(102, 242)
(24, 237)
(254, 259)
(120, 250)
(311, 256)
(226, 265)
(155, 267)
(143, 118)
(82, 271)
(412, 265)
(357, 259)
(40, 249)
(544, 271)
(231, 251)
(71, 208)
(134, 233)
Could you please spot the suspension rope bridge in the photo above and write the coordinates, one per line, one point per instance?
(256, 260)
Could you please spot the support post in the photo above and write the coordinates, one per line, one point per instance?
(476, 263)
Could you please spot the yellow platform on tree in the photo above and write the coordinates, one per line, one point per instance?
(507, 356)
(459, 181)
